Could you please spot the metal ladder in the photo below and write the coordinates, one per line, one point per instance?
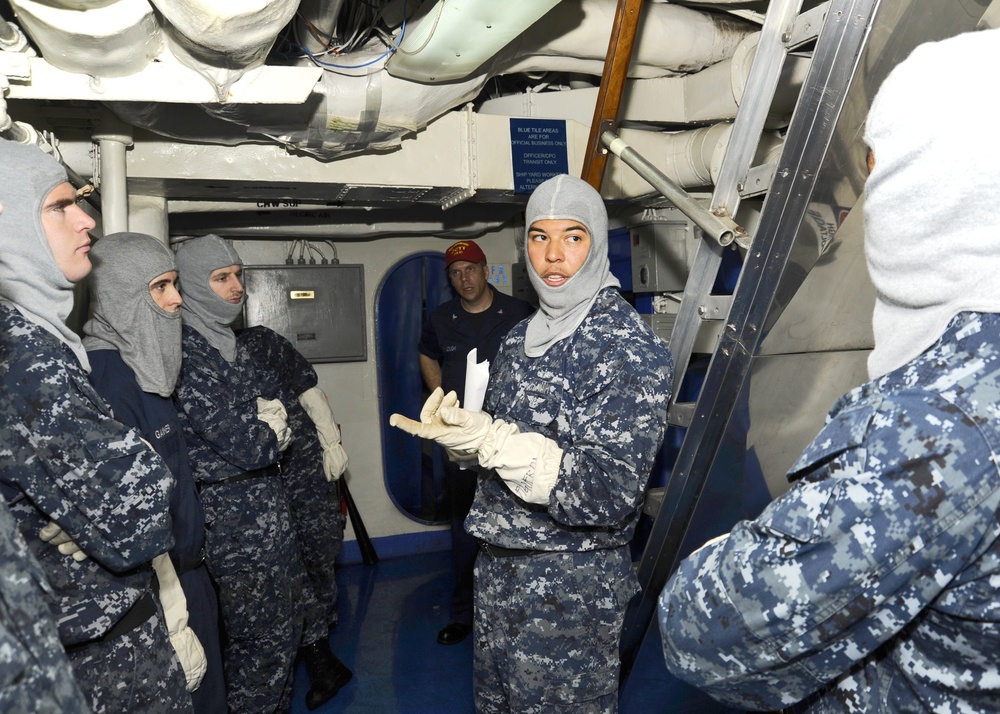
(840, 28)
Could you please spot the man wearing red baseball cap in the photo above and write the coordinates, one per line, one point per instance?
(478, 318)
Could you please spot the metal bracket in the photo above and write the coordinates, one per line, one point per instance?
(715, 307)
(758, 181)
(681, 414)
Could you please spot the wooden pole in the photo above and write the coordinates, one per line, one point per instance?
(612, 85)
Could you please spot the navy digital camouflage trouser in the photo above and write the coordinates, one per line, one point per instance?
(314, 504)
(547, 629)
(251, 556)
(132, 673)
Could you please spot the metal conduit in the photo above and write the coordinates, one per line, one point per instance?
(720, 229)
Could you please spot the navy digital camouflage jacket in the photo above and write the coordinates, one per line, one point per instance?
(217, 405)
(35, 674)
(290, 374)
(274, 354)
(602, 395)
(64, 458)
(871, 585)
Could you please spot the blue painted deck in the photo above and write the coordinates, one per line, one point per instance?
(390, 614)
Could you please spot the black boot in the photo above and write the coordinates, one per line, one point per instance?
(327, 674)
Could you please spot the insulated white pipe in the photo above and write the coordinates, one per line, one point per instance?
(222, 39)
(455, 37)
(114, 40)
(114, 184)
(148, 214)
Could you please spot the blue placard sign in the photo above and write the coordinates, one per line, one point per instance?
(537, 151)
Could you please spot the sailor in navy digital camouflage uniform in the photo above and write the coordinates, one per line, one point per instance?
(234, 440)
(479, 317)
(578, 395)
(133, 341)
(35, 675)
(90, 497)
(310, 467)
(871, 585)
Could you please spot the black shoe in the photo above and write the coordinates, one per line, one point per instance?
(327, 674)
(453, 633)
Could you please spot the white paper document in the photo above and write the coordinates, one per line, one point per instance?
(477, 375)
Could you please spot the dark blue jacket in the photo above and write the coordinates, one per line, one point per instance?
(156, 418)
(450, 332)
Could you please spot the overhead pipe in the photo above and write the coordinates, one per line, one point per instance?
(337, 119)
(111, 39)
(456, 37)
(114, 182)
(719, 228)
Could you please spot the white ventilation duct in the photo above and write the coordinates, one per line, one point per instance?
(366, 108)
(670, 39)
(455, 37)
(221, 39)
(713, 94)
(114, 39)
(374, 110)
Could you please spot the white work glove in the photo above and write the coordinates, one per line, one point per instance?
(54, 535)
(185, 643)
(272, 412)
(317, 406)
(528, 463)
(460, 439)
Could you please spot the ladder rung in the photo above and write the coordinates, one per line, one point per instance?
(807, 26)
(654, 499)
(758, 181)
(681, 414)
(715, 307)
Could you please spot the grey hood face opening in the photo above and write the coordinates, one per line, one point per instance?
(203, 309)
(123, 315)
(30, 278)
(562, 309)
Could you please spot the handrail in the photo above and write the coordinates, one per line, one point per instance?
(719, 228)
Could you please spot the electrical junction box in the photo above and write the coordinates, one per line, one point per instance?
(320, 309)
(663, 247)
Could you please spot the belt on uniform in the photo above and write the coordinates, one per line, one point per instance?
(141, 610)
(266, 472)
(495, 551)
(185, 565)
